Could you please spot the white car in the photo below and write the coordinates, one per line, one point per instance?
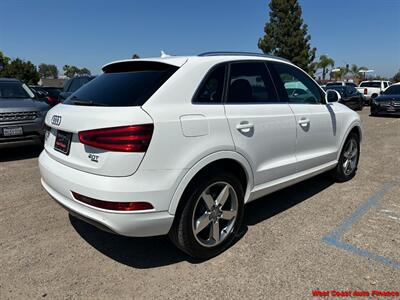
(178, 145)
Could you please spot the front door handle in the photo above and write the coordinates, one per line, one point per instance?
(244, 126)
(304, 122)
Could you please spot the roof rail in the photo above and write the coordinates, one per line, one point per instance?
(233, 53)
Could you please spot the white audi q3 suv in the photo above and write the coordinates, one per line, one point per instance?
(178, 145)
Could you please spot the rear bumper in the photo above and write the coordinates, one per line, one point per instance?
(59, 180)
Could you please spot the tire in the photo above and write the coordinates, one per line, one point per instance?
(346, 172)
(199, 209)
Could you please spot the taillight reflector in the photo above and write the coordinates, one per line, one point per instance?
(365, 91)
(133, 138)
(120, 206)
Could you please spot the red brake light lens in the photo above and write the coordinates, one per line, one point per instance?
(133, 138)
(365, 91)
(121, 206)
(51, 100)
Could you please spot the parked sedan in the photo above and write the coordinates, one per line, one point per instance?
(21, 114)
(388, 103)
(350, 96)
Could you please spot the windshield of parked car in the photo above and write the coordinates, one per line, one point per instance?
(374, 84)
(14, 90)
(392, 90)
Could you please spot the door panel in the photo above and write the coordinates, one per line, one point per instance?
(268, 140)
(316, 122)
(316, 138)
(263, 130)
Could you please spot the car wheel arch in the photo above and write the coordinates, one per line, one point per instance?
(218, 159)
(354, 127)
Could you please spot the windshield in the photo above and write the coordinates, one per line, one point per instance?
(392, 90)
(374, 84)
(14, 90)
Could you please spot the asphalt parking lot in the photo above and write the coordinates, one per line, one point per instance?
(315, 235)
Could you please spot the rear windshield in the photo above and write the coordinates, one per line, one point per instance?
(122, 86)
(371, 84)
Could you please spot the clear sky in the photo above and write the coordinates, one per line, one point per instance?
(92, 33)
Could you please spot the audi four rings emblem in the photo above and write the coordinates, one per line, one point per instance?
(56, 120)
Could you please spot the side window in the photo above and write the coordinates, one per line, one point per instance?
(385, 85)
(212, 87)
(294, 86)
(250, 83)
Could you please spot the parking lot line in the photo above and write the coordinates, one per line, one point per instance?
(334, 238)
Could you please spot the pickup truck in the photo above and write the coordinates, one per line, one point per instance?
(372, 88)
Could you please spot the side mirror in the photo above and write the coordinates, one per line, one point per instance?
(332, 96)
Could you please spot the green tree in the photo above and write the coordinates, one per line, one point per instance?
(71, 71)
(324, 62)
(4, 61)
(396, 77)
(84, 71)
(286, 34)
(23, 70)
(48, 71)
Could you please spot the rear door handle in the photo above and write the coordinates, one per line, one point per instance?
(304, 122)
(244, 126)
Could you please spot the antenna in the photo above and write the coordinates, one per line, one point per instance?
(164, 55)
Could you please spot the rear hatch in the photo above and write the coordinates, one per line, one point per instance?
(101, 128)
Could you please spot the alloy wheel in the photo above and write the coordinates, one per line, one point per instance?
(215, 214)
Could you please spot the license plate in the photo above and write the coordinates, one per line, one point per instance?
(391, 108)
(63, 142)
(13, 131)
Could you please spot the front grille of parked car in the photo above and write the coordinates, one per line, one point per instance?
(18, 116)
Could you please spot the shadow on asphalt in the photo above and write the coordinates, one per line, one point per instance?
(19, 153)
(151, 252)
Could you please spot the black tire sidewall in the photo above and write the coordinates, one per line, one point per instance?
(191, 245)
(340, 175)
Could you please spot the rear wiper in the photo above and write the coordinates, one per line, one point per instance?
(78, 101)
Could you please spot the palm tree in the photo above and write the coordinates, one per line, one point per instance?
(324, 63)
(355, 70)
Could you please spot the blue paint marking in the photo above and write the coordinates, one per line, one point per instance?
(334, 238)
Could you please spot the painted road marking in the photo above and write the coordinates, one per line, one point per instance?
(334, 238)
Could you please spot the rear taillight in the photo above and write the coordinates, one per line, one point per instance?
(134, 138)
(51, 100)
(121, 206)
(365, 91)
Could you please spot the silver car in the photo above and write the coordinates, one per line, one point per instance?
(21, 114)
